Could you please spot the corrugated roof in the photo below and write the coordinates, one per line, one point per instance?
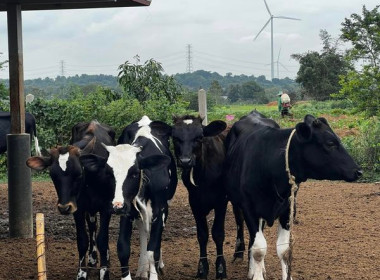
(29, 5)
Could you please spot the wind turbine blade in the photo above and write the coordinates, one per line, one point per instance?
(266, 5)
(265, 25)
(284, 67)
(287, 17)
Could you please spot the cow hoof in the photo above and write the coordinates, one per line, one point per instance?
(92, 259)
(202, 269)
(238, 257)
(104, 274)
(220, 266)
(161, 271)
(82, 274)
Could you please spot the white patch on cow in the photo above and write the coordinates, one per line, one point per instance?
(92, 219)
(62, 160)
(257, 254)
(145, 121)
(145, 131)
(82, 274)
(128, 277)
(188, 121)
(37, 146)
(152, 268)
(121, 158)
(163, 219)
(143, 267)
(103, 272)
(161, 261)
(283, 239)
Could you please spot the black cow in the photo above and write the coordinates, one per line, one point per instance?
(83, 193)
(5, 128)
(200, 153)
(144, 177)
(257, 181)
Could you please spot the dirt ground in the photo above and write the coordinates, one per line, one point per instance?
(337, 237)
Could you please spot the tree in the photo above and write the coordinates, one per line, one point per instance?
(362, 86)
(233, 93)
(252, 91)
(147, 81)
(363, 32)
(319, 72)
(4, 93)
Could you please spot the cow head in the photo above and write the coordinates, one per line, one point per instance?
(125, 167)
(66, 173)
(188, 133)
(322, 152)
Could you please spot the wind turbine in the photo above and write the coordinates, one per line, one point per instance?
(278, 65)
(271, 17)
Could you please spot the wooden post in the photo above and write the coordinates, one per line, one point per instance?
(202, 105)
(40, 238)
(16, 68)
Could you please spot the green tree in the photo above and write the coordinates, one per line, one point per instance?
(362, 85)
(233, 93)
(4, 93)
(319, 72)
(363, 32)
(252, 91)
(147, 81)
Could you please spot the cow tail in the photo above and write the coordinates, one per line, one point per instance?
(36, 145)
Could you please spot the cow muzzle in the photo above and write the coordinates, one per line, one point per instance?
(119, 208)
(66, 209)
(185, 162)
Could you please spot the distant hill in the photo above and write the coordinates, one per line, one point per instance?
(61, 86)
(203, 79)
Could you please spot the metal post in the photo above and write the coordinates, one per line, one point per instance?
(202, 105)
(19, 186)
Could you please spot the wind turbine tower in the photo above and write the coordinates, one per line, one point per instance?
(271, 17)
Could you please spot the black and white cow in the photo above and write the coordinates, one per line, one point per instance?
(83, 193)
(5, 128)
(257, 181)
(200, 153)
(144, 178)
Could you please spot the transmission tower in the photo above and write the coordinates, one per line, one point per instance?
(62, 66)
(189, 58)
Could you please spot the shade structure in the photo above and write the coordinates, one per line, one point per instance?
(31, 5)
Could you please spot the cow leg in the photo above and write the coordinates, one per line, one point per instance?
(154, 245)
(218, 237)
(82, 243)
(143, 268)
(202, 235)
(102, 242)
(257, 248)
(240, 245)
(283, 240)
(92, 252)
(124, 246)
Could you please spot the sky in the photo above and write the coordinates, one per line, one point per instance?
(219, 34)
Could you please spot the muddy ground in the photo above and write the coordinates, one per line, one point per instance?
(337, 237)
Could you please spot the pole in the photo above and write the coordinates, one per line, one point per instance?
(271, 47)
(40, 239)
(202, 105)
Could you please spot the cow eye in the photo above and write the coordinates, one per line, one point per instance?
(331, 144)
(135, 175)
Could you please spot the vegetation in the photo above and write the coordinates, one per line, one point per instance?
(319, 72)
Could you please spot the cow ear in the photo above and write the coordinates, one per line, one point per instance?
(161, 128)
(153, 162)
(303, 132)
(309, 119)
(214, 128)
(92, 163)
(323, 120)
(39, 163)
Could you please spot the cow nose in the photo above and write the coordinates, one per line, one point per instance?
(118, 207)
(64, 209)
(185, 161)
